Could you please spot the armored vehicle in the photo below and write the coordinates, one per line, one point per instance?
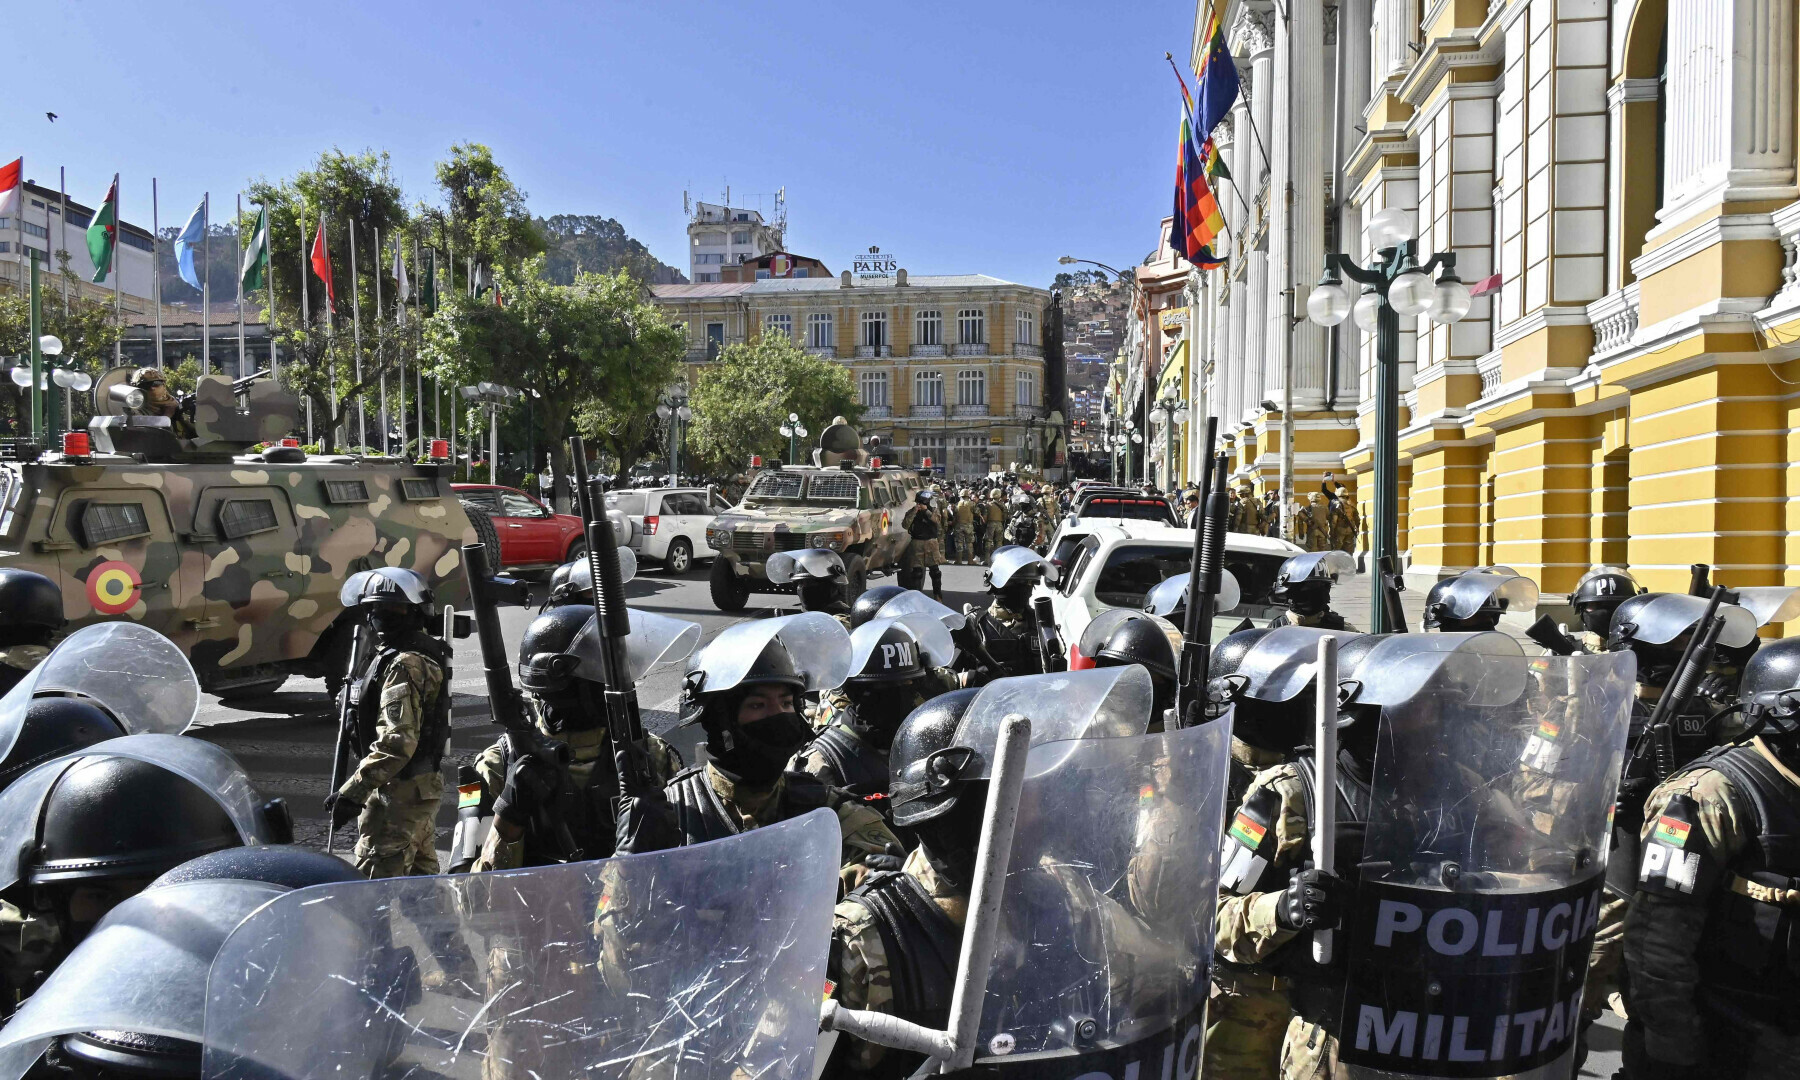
(845, 501)
(236, 555)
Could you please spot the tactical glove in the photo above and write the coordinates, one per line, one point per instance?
(644, 823)
(1313, 900)
(342, 808)
(530, 787)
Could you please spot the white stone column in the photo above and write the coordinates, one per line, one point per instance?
(1245, 164)
(1260, 41)
(1728, 60)
(1396, 27)
(1354, 29)
(1619, 95)
(1217, 283)
(1309, 143)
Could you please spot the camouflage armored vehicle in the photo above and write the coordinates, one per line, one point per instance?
(235, 556)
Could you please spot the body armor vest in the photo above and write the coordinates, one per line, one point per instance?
(1750, 950)
(1017, 651)
(1642, 774)
(924, 526)
(701, 815)
(1317, 990)
(860, 768)
(585, 805)
(434, 725)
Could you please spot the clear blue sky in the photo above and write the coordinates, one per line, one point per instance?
(986, 136)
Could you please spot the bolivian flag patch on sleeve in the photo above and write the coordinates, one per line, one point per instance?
(468, 795)
(1549, 730)
(1247, 832)
(1671, 832)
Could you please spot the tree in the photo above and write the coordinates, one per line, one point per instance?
(597, 346)
(600, 245)
(743, 399)
(485, 215)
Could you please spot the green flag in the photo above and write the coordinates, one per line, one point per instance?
(256, 256)
(103, 232)
(428, 284)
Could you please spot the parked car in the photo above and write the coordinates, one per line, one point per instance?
(1115, 565)
(1099, 505)
(667, 525)
(530, 535)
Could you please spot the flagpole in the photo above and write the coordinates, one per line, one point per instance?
(206, 284)
(155, 261)
(62, 245)
(268, 240)
(238, 228)
(399, 340)
(118, 302)
(380, 347)
(330, 330)
(418, 373)
(305, 313)
(362, 419)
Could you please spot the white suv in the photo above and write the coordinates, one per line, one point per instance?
(667, 525)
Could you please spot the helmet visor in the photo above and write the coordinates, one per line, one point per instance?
(654, 639)
(131, 671)
(1011, 559)
(1667, 616)
(403, 584)
(1481, 588)
(874, 645)
(1092, 704)
(817, 643)
(1396, 669)
(1171, 594)
(1281, 663)
(785, 567)
(914, 602)
(1316, 565)
(1770, 603)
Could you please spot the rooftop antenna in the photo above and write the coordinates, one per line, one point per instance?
(687, 204)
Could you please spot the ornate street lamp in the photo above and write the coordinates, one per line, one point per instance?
(794, 431)
(673, 407)
(1169, 411)
(1393, 285)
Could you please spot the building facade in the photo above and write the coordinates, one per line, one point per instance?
(947, 368)
(720, 235)
(1617, 180)
(47, 225)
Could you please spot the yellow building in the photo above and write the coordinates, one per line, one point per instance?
(949, 368)
(1620, 176)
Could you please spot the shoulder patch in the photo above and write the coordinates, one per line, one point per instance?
(1677, 860)
(1249, 842)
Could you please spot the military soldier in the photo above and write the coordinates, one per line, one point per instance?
(818, 578)
(1022, 529)
(743, 689)
(158, 401)
(1303, 588)
(31, 613)
(402, 727)
(1343, 523)
(965, 529)
(1712, 977)
(1008, 627)
(925, 553)
(996, 521)
(1121, 637)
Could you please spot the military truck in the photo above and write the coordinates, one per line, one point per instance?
(236, 555)
(844, 501)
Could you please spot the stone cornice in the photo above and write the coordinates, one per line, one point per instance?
(1542, 318)
(1716, 230)
(1460, 49)
(1627, 91)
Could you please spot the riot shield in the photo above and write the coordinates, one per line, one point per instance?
(1281, 663)
(818, 644)
(1095, 703)
(705, 961)
(131, 671)
(914, 602)
(1667, 616)
(654, 639)
(1106, 926)
(143, 969)
(1483, 864)
(207, 766)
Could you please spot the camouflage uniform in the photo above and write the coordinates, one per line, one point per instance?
(996, 526)
(965, 532)
(29, 948)
(864, 831)
(923, 554)
(1343, 525)
(859, 962)
(588, 748)
(1312, 525)
(397, 830)
(1250, 513)
(1674, 914)
(17, 662)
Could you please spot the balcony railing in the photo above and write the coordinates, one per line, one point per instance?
(1029, 411)
(963, 412)
(1615, 319)
(1022, 349)
(976, 348)
(827, 351)
(699, 354)
(927, 412)
(1488, 367)
(877, 412)
(928, 350)
(870, 352)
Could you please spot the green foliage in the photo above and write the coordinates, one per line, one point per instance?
(597, 345)
(743, 399)
(486, 216)
(593, 244)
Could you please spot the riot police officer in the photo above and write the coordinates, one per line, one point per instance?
(1713, 986)
(31, 613)
(818, 578)
(1022, 525)
(1120, 637)
(1303, 588)
(401, 703)
(893, 670)
(896, 938)
(540, 805)
(1597, 595)
(1474, 601)
(1008, 627)
(743, 689)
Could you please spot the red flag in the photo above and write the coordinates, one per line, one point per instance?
(11, 176)
(1486, 285)
(321, 265)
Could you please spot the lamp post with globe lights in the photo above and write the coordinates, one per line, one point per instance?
(674, 409)
(1394, 284)
(795, 431)
(1169, 411)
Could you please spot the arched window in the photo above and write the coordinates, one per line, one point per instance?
(928, 389)
(928, 328)
(971, 327)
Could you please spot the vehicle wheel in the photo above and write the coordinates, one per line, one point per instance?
(238, 691)
(856, 577)
(486, 535)
(680, 558)
(727, 593)
(577, 551)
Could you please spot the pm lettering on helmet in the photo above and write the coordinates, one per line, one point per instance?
(899, 654)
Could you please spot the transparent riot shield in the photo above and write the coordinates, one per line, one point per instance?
(914, 602)
(1483, 864)
(1106, 926)
(1096, 703)
(818, 644)
(143, 969)
(705, 961)
(654, 639)
(138, 676)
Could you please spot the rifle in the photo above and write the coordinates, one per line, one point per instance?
(1392, 584)
(346, 720)
(1553, 637)
(1052, 656)
(624, 723)
(1658, 735)
(1700, 579)
(503, 699)
(188, 400)
(1203, 585)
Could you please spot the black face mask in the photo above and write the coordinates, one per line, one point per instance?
(878, 713)
(758, 752)
(1597, 619)
(392, 627)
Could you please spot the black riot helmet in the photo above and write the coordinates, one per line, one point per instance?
(546, 661)
(1770, 688)
(1303, 583)
(817, 575)
(119, 817)
(1627, 630)
(52, 727)
(1357, 721)
(925, 766)
(1275, 726)
(395, 600)
(1150, 641)
(870, 602)
(564, 589)
(755, 753)
(1598, 594)
(286, 865)
(1475, 601)
(31, 608)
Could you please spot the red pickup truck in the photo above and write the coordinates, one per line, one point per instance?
(531, 535)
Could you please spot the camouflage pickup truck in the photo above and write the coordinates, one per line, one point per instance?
(850, 509)
(236, 556)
